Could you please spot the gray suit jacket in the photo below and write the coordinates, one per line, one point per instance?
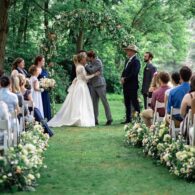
(93, 67)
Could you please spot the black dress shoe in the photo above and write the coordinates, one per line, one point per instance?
(109, 122)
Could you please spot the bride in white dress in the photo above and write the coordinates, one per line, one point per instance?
(77, 109)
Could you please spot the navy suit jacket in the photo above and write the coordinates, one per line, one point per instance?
(130, 73)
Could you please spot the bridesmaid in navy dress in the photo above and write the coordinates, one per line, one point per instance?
(40, 63)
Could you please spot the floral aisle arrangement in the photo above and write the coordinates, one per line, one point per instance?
(184, 163)
(178, 157)
(20, 166)
(153, 138)
(135, 133)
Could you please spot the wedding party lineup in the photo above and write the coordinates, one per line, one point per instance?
(97, 97)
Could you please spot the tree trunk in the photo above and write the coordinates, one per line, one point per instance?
(80, 41)
(47, 38)
(21, 29)
(14, 20)
(26, 27)
(46, 8)
(4, 5)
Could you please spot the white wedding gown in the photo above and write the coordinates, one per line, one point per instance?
(77, 109)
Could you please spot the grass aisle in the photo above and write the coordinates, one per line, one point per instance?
(95, 161)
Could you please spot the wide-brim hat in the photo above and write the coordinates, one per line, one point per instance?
(131, 47)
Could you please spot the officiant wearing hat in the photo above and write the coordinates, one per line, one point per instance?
(129, 81)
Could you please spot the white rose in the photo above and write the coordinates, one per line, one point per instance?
(4, 177)
(126, 127)
(137, 125)
(1, 158)
(31, 177)
(176, 172)
(167, 138)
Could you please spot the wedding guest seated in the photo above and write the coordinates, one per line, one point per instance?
(28, 97)
(4, 115)
(175, 80)
(157, 95)
(188, 103)
(154, 84)
(7, 96)
(10, 99)
(176, 95)
(15, 88)
(18, 67)
(4, 112)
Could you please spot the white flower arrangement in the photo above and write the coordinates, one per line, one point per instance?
(47, 83)
(135, 133)
(178, 157)
(21, 165)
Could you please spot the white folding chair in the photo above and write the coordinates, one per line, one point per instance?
(4, 131)
(29, 104)
(156, 117)
(190, 118)
(173, 130)
(192, 131)
(14, 128)
(22, 121)
(149, 100)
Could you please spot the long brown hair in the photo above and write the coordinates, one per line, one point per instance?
(16, 62)
(192, 83)
(38, 59)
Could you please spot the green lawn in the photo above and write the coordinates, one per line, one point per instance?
(95, 161)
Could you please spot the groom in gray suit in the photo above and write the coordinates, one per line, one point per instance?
(97, 86)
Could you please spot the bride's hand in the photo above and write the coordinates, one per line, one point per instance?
(97, 73)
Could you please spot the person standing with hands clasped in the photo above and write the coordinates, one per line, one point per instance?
(129, 81)
(149, 71)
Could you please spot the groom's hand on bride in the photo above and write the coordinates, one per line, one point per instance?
(122, 80)
(97, 73)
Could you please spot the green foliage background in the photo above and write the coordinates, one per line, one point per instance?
(58, 29)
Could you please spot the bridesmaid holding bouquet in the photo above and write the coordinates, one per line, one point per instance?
(40, 63)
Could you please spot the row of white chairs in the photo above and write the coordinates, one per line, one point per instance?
(11, 128)
(175, 131)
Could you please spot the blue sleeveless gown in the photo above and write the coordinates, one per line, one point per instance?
(45, 97)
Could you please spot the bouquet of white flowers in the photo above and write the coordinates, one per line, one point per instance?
(46, 83)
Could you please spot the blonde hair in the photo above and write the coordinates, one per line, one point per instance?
(155, 80)
(22, 79)
(75, 60)
(81, 55)
(15, 84)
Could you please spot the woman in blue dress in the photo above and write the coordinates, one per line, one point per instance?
(40, 63)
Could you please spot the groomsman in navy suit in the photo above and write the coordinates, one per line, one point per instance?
(129, 80)
(149, 71)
